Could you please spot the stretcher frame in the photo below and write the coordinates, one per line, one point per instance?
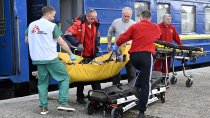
(183, 54)
(122, 104)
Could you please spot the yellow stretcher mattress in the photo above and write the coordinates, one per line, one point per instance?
(95, 70)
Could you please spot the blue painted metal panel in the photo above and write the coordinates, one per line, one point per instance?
(107, 11)
(143, 0)
(21, 13)
(56, 5)
(18, 18)
(153, 10)
(175, 10)
(163, 1)
(112, 4)
(7, 64)
(200, 19)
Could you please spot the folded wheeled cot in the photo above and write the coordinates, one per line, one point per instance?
(119, 98)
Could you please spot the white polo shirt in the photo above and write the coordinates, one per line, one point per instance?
(42, 46)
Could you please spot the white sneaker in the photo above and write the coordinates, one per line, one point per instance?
(44, 111)
(65, 107)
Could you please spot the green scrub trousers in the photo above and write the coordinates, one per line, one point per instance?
(57, 70)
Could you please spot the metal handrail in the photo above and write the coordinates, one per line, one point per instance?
(4, 77)
(18, 37)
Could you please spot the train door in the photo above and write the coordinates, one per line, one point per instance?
(7, 60)
(69, 9)
(12, 47)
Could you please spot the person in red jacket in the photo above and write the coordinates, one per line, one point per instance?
(143, 35)
(84, 35)
(169, 34)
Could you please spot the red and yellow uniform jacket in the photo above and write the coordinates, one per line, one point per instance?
(79, 30)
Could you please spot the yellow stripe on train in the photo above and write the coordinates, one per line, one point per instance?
(183, 37)
(198, 36)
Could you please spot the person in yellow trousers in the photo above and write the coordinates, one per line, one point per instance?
(42, 36)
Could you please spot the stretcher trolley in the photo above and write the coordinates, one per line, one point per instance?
(163, 52)
(118, 99)
(183, 54)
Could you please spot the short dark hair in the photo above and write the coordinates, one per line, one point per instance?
(146, 14)
(47, 9)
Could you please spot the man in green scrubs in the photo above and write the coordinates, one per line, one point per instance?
(42, 36)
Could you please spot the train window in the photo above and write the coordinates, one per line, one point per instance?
(207, 20)
(161, 10)
(2, 23)
(188, 19)
(139, 7)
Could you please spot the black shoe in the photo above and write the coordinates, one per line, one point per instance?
(81, 101)
(141, 115)
(136, 91)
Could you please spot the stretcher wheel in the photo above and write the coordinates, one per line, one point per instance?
(173, 80)
(167, 83)
(189, 83)
(116, 112)
(90, 108)
(162, 97)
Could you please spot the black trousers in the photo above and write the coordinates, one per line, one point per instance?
(143, 61)
(131, 74)
(80, 87)
(131, 71)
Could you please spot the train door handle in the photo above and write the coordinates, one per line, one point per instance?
(18, 38)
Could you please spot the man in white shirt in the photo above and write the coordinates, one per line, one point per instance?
(118, 27)
(42, 36)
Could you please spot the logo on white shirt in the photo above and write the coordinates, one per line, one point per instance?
(37, 30)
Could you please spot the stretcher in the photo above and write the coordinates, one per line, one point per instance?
(163, 54)
(119, 98)
(181, 53)
(100, 68)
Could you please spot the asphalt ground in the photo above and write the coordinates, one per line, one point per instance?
(181, 102)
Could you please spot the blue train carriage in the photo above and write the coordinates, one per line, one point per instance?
(14, 53)
(190, 17)
(15, 63)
